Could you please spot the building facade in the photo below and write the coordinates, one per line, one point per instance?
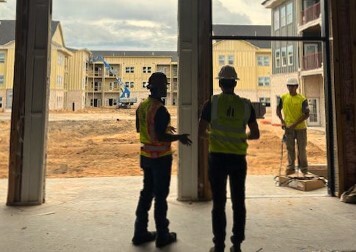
(301, 60)
(82, 78)
(251, 59)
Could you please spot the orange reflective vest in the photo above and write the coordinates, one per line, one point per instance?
(151, 147)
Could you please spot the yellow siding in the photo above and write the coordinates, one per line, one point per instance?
(57, 36)
(77, 70)
(245, 63)
(7, 68)
(119, 64)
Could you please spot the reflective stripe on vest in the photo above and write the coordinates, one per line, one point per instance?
(229, 117)
(151, 147)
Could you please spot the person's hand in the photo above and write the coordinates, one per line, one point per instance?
(171, 129)
(184, 139)
(292, 126)
(283, 124)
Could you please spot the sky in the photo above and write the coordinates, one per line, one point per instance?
(136, 24)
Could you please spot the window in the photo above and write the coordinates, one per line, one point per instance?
(97, 86)
(278, 58)
(266, 101)
(111, 86)
(263, 81)
(289, 13)
(263, 60)
(59, 81)
(0, 101)
(230, 59)
(132, 84)
(130, 69)
(290, 55)
(145, 84)
(146, 69)
(221, 60)
(283, 16)
(284, 56)
(2, 57)
(276, 20)
(2, 79)
(60, 59)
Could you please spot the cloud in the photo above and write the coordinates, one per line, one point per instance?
(134, 24)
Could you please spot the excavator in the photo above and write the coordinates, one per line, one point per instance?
(124, 100)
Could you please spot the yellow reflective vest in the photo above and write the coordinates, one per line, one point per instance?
(229, 117)
(292, 109)
(151, 147)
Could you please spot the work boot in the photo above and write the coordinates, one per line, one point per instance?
(289, 171)
(169, 238)
(216, 249)
(143, 238)
(304, 171)
(235, 248)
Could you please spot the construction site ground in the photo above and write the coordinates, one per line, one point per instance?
(92, 193)
(104, 143)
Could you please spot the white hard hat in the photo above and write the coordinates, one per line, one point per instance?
(227, 72)
(292, 82)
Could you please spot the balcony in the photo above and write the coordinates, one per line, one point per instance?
(309, 14)
(312, 61)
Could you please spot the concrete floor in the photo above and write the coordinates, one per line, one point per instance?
(97, 214)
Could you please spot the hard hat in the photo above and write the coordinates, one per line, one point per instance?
(292, 82)
(227, 72)
(156, 80)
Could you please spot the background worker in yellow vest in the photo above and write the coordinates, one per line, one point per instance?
(223, 120)
(296, 111)
(156, 135)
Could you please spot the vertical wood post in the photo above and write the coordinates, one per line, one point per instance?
(30, 103)
(344, 62)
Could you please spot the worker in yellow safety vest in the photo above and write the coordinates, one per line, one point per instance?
(223, 122)
(296, 111)
(156, 135)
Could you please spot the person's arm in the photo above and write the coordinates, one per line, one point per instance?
(279, 113)
(204, 120)
(137, 121)
(252, 124)
(162, 120)
(305, 110)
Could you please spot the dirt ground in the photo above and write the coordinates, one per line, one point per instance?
(103, 142)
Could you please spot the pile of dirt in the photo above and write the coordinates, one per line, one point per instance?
(101, 142)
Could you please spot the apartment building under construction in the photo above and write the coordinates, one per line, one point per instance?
(81, 78)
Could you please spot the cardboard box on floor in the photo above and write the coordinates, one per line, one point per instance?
(302, 183)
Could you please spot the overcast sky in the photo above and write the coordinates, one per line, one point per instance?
(136, 24)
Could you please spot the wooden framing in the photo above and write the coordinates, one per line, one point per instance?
(344, 69)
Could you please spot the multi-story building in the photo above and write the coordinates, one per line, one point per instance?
(59, 78)
(131, 69)
(251, 59)
(302, 60)
(83, 78)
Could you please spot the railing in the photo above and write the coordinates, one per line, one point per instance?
(312, 61)
(311, 13)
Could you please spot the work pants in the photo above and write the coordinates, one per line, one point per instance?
(299, 136)
(222, 166)
(156, 182)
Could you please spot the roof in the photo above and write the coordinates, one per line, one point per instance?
(245, 30)
(7, 30)
(172, 54)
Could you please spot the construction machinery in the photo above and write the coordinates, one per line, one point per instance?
(124, 100)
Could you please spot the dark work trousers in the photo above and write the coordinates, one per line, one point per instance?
(222, 166)
(156, 182)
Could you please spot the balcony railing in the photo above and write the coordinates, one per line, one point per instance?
(311, 13)
(312, 61)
